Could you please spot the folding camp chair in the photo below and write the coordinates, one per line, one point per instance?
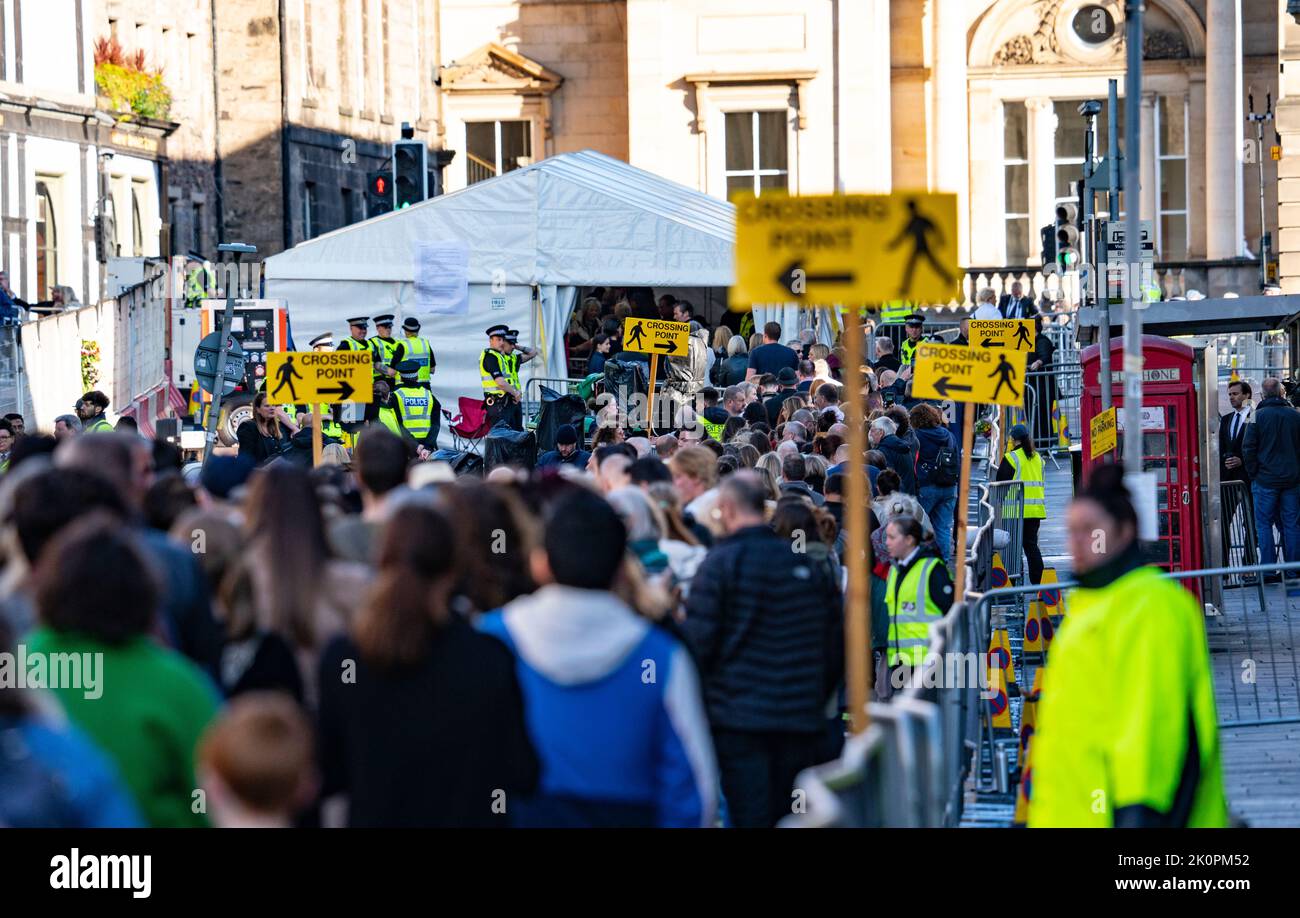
(470, 425)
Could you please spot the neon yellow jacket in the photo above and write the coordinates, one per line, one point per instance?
(1127, 678)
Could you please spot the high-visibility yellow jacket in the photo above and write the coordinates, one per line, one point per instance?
(1127, 716)
(415, 407)
(421, 351)
(490, 384)
(98, 424)
(912, 610)
(1028, 469)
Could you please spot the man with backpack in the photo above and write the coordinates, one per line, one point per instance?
(938, 468)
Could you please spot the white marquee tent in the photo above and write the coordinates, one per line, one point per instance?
(534, 236)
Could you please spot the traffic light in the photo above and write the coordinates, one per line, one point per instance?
(379, 193)
(410, 173)
(1048, 236)
(1067, 236)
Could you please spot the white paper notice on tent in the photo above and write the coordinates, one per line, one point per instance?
(442, 278)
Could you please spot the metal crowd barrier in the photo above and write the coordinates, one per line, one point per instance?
(532, 403)
(912, 766)
(1000, 527)
(1038, 418)
(12, 398)
(1237, 524)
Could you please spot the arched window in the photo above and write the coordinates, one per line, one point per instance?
(47, 243)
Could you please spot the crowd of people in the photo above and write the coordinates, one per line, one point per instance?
(646, 628)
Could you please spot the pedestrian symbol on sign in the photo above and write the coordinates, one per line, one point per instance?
(919, 229)
(286, 374)
(1006, 374)
(634, 338)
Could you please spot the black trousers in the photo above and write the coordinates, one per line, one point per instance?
(1032, 554)
(504, 408)
(758, 772)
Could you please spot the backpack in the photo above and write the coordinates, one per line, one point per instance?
(946, 469)
(943, 469)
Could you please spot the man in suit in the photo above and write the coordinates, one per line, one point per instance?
(1015, 305)
(1232, 467)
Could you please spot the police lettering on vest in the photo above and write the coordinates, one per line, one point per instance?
(415, 406)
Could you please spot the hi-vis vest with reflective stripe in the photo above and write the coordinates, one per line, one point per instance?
(715, 430)
(511, 367)
(100, 423)
(1029, 469)
(419, 350)
(895, 311)
(490, 384)
(907, 350)
(415, 405)
(911, 612)
(383, 349)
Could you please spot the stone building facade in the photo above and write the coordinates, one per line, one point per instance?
(978, 97)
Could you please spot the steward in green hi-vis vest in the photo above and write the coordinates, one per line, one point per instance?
(1127, 733)
(912, 610)
(715, 430)
(97, 424)
(1029, 469)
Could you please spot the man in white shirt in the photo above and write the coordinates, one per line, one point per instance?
(987, 305)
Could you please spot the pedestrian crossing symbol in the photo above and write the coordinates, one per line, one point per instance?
(1011, 334)
(321, 377)
(655, 336)
(969, 374)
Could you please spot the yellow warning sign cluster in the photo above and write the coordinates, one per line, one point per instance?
(1102, 432)
(323, 377)
(845, 249)
(1012, 334)
(655, 336)
(969, 374)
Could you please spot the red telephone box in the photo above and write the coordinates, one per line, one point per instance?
(1170, 439)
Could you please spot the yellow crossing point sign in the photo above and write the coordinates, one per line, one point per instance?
(845, 248)
(1012, 334)
(318, 377)
(970, 374)
(1102, 429)
(655, 336)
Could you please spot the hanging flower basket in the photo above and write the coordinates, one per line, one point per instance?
(89, 365)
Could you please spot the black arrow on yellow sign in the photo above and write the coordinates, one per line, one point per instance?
(943, 387)
(343, 390)
(668, 347)
(795, 276)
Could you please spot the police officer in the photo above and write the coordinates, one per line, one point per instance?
(913, 328)
(918, 593)
(388, 350)
(1022, 462)
(358, 326)
(1126, 733)
(500, 394)
(417, 409)
(91, 408)
(418, 349)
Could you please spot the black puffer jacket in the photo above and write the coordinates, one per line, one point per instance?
(1271, 445)
(766, 625)
(901, 458)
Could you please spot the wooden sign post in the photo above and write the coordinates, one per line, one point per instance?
(655, 337)
(857, 611)
(319, 378)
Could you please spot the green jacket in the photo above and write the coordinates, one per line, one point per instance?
(152, 708)
(1127, 684)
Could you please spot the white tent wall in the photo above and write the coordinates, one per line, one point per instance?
(534, 237)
